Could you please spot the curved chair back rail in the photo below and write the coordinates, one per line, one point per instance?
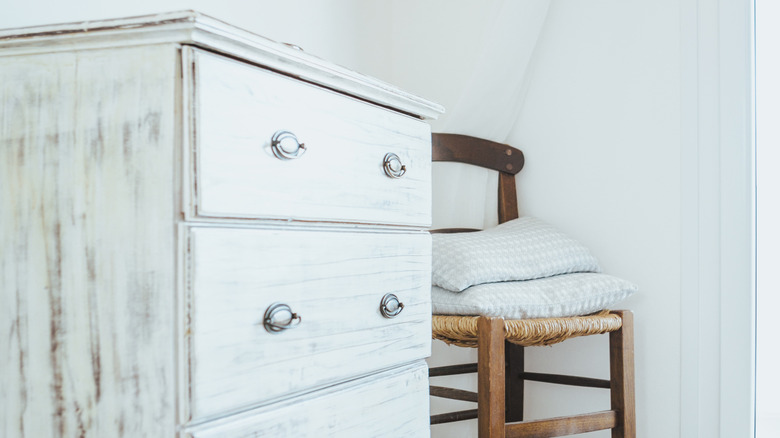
(478, 152)
(508, 161)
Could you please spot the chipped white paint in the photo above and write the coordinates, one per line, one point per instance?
(196, 29)
(333, 280)
(393, 404)
(124, 314)
(237, 109)
(87, 244)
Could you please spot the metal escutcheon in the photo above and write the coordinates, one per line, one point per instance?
(285, 145)
(390, 306)
(271, 323)
(393, 166)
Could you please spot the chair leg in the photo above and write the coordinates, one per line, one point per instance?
(490, 376)
(621, 369)
(515, 382)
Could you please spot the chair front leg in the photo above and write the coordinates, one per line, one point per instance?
(621, 370)
(491, 368)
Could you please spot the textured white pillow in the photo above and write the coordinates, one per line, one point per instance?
(521, 249)
(562, 295)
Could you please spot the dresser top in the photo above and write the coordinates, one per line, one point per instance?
(194, 28)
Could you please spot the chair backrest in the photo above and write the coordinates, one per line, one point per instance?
(508, 161)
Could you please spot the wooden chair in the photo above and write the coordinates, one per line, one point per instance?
(500, 343)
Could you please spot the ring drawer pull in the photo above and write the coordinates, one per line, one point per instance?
(390, 306)
(393, 166)
(271, 323)
(293, 149)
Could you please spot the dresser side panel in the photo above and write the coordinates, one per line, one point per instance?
(87, 243)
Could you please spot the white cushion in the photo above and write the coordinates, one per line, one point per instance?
(562, 295)
(521, 249)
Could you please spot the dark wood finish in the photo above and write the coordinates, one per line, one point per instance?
(621, 371)
(562, 426)
(477, 151)
(508, 161)
(567, 380)
(514, 390)
(507, 198)
(454, 394)
(490, 377)
(451, 370)
(451, 417)
(559, 379)
(454, 230)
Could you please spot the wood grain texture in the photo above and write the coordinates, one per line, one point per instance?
(508, 161)
(477, 151)
(110, 329)
(87, 249)
(454, 394)
(621, 371)
(507, 198)
(451, 370)
(334, 280)
(237, 109)
(392, 404)
(451, 417)
(567, 380)
(562, 426)
(194, 28)
(490, 377)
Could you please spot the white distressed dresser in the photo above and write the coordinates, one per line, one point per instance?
(205, 233)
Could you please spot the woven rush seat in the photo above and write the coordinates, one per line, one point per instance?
(462, 330)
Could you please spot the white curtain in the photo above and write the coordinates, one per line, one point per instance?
(488, 106)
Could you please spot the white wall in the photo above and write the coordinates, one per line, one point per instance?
(601, 132)
(637, 132)
(601, 129)
(331, 29)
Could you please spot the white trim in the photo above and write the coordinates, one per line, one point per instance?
(194, 28)
(737, 387)
(689, 227)
(767, 93)
(717, 279)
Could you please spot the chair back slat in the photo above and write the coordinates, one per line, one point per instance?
(508, 161)
(507, 198)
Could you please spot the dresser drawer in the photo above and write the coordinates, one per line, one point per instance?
(237, 112)
(333, 280)
(391, 404)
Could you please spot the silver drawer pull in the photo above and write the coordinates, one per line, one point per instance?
(272, 323)
(285, 145)
(393, 166)
(390, 306)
